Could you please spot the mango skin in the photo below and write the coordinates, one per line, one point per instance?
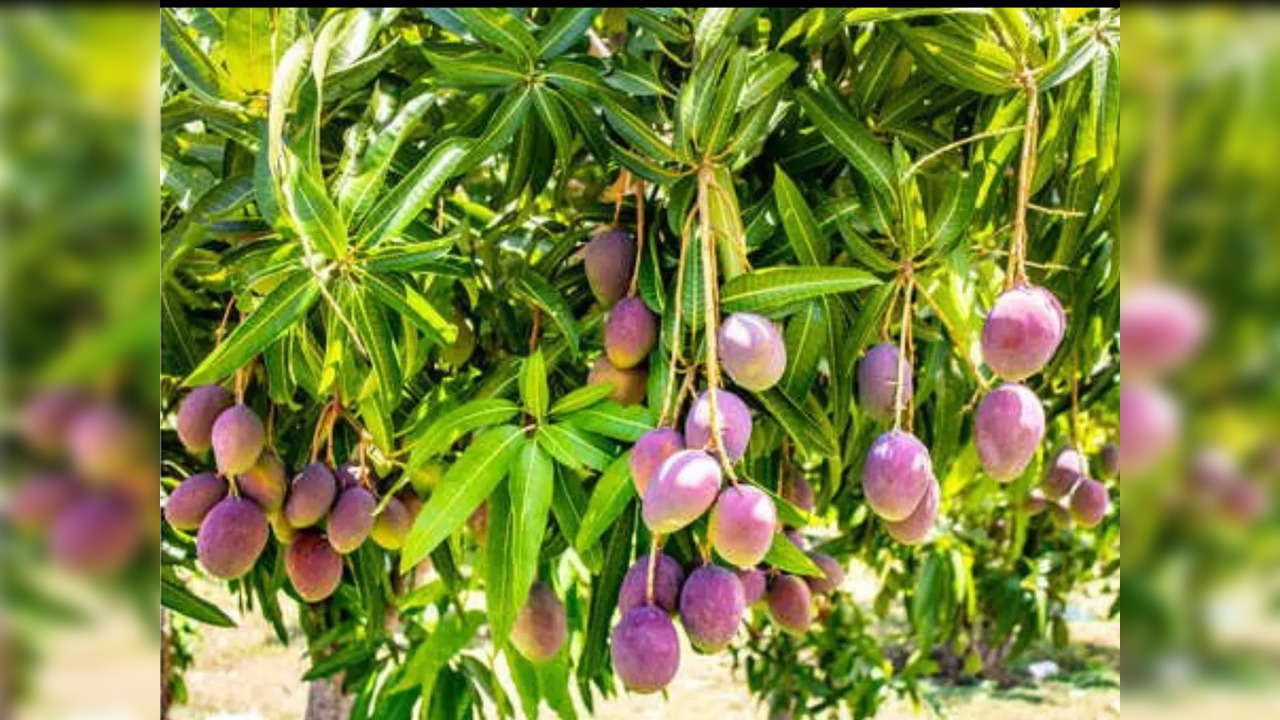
(193, 498)
(668, 576)
(311, 494)
(630, 332)
(681, 491)
(539, 630)
(197, 413)
(743, 522)
(609, 261)
(1064, 471)
(392, 525)
(1007, 429)
(645, 649)
(735, 424)
(1161, 326)
(238, 438)
(1022, 331)
(46, 417)
(878, 381)
(712, 603)
(791, 604)
(313, 566)
(265, 483)
(102, 442)
(1150, 422)
(754, 582)
(1089, 502)
(231, 538)
(650, 451)
(96, 535)
(915, 528)
(629, 385)
(832, 574)
(351, 519)
(752, 351)
(36, 504)
(896, 474)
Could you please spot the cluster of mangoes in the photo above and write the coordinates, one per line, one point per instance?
(96, 502)
(320, 515)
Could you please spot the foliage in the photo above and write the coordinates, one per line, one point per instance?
(352, 198)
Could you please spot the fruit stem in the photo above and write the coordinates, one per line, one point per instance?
(654, 548)
(635, 271)
(904, 339)
(1017, 273)
(711, 321)
(624, 181)
(888, 313)
(535, 333)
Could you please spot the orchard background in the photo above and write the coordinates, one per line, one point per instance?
(376, 231)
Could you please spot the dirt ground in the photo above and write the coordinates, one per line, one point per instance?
(246, 674)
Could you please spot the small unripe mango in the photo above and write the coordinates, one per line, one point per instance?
(797, 491)
(392, 525)
(265, 483)
(878, 381)
(790, 604)
(313, 566)
(832, 574)
(629, 385)
(1062, 474)
(753, 582)
(630, 333)
(668, 576)
(311, 494)
(47, 416)
(1089, 502)
(610, 260)
(351, 519)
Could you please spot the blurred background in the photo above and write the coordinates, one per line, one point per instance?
(80, 325)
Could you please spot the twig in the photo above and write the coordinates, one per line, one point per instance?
(676, 322)
(635, 272)
(903, 337)
(711, 324)
(915, 167)
(1017, 274)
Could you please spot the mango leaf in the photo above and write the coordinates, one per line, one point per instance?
(314, 215)
(533, 385)
(805, 235)
(604, 595)
(811, 434)
(535, 289)
(280, 309)
(625, 423)
(499, 28)
(784, 555)
(531, 486)
(175, 596)
(852, 139)
(466, 484)
(580, 398)
(195, 68)
(506, 120)
(964, 61)
(768, 72)
(725, 105)
(376, 335)
(567, 27)
(406, 301)
(443, 432)
(863, 15)
(247, 45)
(637, 132)
(954, 212)
(555, 121)
(805, 338)
(572, 448)
(612, 494)
(772, 290)
(414, 192)
(476, 70)
(577, 78)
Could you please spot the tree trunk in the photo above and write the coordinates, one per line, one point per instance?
(327, 701)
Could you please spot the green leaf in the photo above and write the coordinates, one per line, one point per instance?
(467, 483)
(613, 492)
(604, 596)
(476, 70)
(175, 596)
(960, 60)
(499, 28)
(247, 46)
(852, 139)
(638, 133)
(533, 385)
(407, 302)
(500, 567)
(376, 335)
(195, 68)
(768, 72)
(813, 435)
(279, 310)
(555, 121)
(314, 215)
(508, 118)
(725, 105)
(571, 448)
(531, 486)
(864, 15)
(411, 195)
(774, 289)
(953, 214)
(567, 27)
(443, 432)
(575, 77)
(363, 175)
(1075, 57)
(535, 289)
(784, 555)
(625, 423)
(806, 237)
(805, 339)
(583, 397)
